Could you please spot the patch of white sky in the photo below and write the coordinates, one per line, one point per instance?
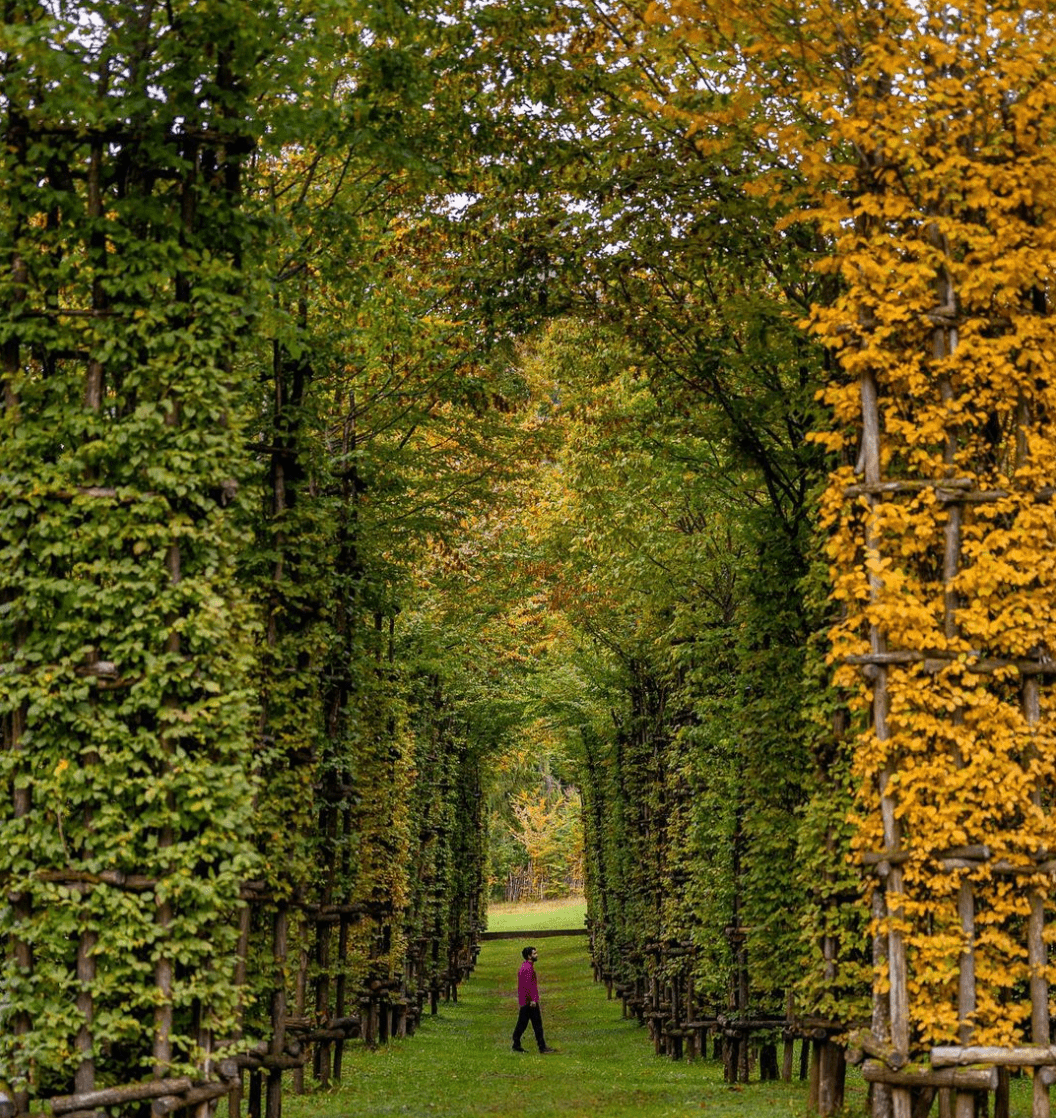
(592, 126)
(86, 25)
(97, 33)
(589, 215)
(90, 30)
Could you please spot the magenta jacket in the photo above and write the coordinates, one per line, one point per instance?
(527, 986)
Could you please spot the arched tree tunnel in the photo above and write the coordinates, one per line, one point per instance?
(403, 401)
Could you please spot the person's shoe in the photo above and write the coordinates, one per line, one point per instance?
(517, 1048)
(546, 1051)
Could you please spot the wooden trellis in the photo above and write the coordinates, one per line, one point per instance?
(294, 1041)
(154, 710)
(657, 983)
(663, 997)
(958, 1074)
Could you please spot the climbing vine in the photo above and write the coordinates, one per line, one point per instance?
(217, 765)
(923, 138)
(126, 694)
(951, 317)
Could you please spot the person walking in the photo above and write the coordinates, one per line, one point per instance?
(528, 1001)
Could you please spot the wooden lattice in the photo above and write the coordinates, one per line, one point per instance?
(185, 899)
(969, 874)
(892, 1016)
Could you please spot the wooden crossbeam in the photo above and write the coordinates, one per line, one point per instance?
(1022, 1056)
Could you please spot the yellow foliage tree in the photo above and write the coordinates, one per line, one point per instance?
(549, 828)
(919, 138)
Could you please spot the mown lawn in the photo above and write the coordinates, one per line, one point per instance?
(459, 1064)
(567, 913)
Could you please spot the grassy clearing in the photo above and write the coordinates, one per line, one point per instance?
(568, 912)
(459, 1065)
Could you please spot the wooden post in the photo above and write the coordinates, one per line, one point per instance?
(164, 970)
(898, 999)
(245, 919)
(15, 723)
(814, 1088)
(204, 1038)
(965, 1100)
(880, 1093)
(787, 1056)
(21, 907)
(1037, 955)
(300, 996)
(832, 1071)
(944, 345)
(339, 993)
(788, 1038)
(1001, 1095)
(255, 1094)
(833, 1067)
(730, 1058)
(163, 984)
(322, 998)
(280, 928)
(84, 1078)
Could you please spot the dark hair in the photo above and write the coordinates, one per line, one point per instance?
(525, 952)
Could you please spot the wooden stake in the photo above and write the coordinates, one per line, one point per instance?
(280, 927)
(339, 994)
(255, 1093)
(966, 976)
(1001, 1099)
(1037, 955)
(944, 345)
(163, 916)
(84, 1077)
(322, 1000)
(234, 1101)
(15, 723)
(1040, 1098)
(789, 1040)
(898, 1000)
(299, 1004)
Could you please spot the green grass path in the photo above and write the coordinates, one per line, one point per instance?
(459, 1063)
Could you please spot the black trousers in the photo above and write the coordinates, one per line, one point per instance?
(530, 1013)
